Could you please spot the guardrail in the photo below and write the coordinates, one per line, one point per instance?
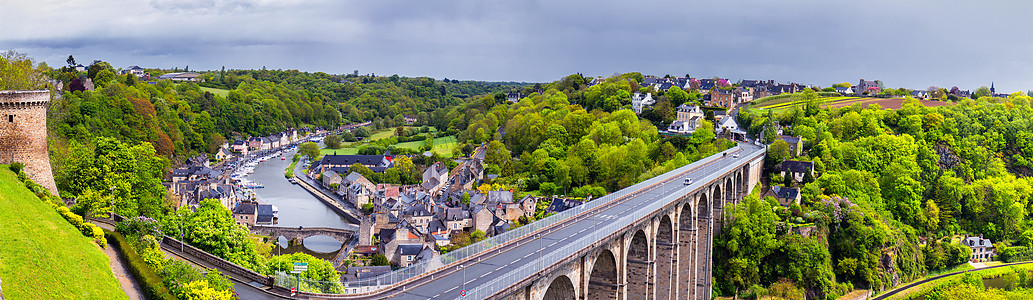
(465, 253)
(217, 261)
(554, 256)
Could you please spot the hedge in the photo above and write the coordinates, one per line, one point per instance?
(153, 286)
(86, 228)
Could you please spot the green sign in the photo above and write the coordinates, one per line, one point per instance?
(300, 267)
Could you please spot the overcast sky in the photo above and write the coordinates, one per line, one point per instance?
(913, 43)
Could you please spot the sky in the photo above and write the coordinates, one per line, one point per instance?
(912, 44)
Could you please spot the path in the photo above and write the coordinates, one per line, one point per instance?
(122, 273)
(920, 282)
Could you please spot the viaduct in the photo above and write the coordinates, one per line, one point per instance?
(652, 240)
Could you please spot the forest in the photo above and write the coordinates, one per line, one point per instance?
(893, 192)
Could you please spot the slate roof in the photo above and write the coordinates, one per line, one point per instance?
(797, 166)
(559, 205)
(244, 208)
(348, 160)
(410, 249)
(784, 192)
(975, 241)
(790, 139)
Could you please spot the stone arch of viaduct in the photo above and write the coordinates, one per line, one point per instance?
(665, 256)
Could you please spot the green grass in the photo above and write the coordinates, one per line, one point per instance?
(342, 151)
(442, 145)
(220, 92)
(382, 134)
(43, 256)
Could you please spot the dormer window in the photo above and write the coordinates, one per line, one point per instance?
(10, 118)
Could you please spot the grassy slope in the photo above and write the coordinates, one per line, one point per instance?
(442, 145)
(220, 92)
(42, 256)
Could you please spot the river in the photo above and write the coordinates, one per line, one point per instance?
(297, 207)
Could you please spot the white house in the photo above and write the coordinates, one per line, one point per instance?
(638, 101)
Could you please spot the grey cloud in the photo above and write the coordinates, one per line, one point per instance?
(912, 44)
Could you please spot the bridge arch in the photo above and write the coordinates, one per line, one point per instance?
(730, 190)
(602, 281)
(665, 250)
(686, 240)
(702, 248)
(638, 267)
(743, 189)
(561, 288)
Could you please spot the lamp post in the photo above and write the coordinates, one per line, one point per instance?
(464, 277)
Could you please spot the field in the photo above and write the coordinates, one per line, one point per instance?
(779, 105)
(43, 256)
(342, 151)
(442, 145)
(220, 92)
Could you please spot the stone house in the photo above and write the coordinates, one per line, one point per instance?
(797, 169)
(982, 249)
(795, 144)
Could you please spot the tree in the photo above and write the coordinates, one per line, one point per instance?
(17, 72)
(332, 141)
(309, 149)
(496, 153)
(983, 91)
(70, 61)
(749, 237)
(778, 152)
(380, 260)
(677, 96)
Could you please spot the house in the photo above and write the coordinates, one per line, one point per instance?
(870, 86)
(407, 254)
(785, 196)
(515, 97)
(223, 154)
(561, 204)
(240, 146)
(528, 204)
(797, 169)
(135, 70)
(367, 251)
(331, 179)
(721, 97)
(182, 76)
(795, 144)
(255, 143)
(360, 190)
(845, 90)
(267, 214)
(727, 125)
(341, 163)
(455, 218)
(266, 144)
(689, 118)
(418, 217)
(919, 94)
(743, 95)
(638, 101)
(80, 68)
(245, 214)
(365, 272)
(982, 249)
(434, 178)
(274, 141)
(409, 119)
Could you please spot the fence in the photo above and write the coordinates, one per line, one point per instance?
(217, 261)
(462, 254)
(554, 256)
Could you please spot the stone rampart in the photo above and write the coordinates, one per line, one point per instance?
(23, 134)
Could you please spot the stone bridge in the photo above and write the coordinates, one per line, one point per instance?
(652, 240)
(297, 234)
(664, 255)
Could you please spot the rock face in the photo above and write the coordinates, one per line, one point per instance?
(23, 134)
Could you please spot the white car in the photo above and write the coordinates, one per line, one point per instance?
(688, 181)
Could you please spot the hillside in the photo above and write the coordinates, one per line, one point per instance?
(43, 256)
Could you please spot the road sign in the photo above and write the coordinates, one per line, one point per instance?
(294, 291)
(462, 293)
(300, 267)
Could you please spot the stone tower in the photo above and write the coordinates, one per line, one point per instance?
(23, 134)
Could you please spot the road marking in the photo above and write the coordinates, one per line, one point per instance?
(500, 268)
(451, 289)
(529, 254)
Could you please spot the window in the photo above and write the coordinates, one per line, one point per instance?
(408, 258)
(10, 118)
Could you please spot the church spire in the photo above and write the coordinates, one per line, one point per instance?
(992, 91)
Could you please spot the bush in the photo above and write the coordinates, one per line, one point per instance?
(152, 285)
(16, 167)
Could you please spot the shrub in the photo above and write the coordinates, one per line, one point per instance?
(152, 285)
(16, 167)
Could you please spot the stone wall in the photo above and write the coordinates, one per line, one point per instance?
(23, 134)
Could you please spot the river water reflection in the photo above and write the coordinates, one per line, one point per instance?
(297, 207)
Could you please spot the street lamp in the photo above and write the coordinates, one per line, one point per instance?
(464, 277)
